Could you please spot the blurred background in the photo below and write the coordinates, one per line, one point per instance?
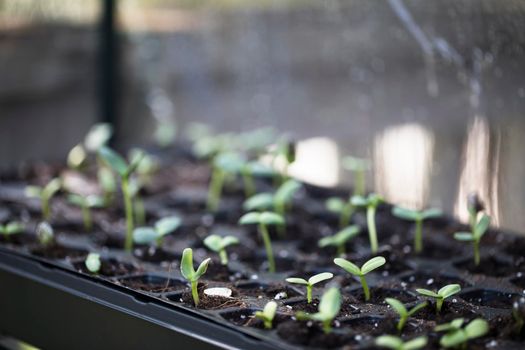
(432, 91)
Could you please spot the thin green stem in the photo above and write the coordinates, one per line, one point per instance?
(473, 215)
(223, 256)
(86, 216)
(401, 323)
(214, 193)
(46, 210)
(476, 253)
(439, 304)
(249, 185)
(128, 206)
(346, 215)
(268, 246)
(309, 293)
(365, 288)
(140, 211)
(195, 292)
(418, 237)
(341, 249)
(359, 183)
(371, 222)
(327, 326)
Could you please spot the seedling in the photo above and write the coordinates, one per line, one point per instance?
(124, 170)
(107, 182)
(367, 267)
(323, 276)
(345, 209)
(93, 263)
(188, 272)
(268, 314)
(359, 167)
(219, 244)
(340, 238)
(11, 228)
(139, 212)
(417, 216)
(370, 203)
(279, 201)
(402, 311)
(285, 150)
(328, 309)
(263, 220)
(397, 343)
(474, 207)
(442, 294)
(45, 194)
(155, 235)
(250, 169)
(224, 164)
(45, 234)
(97, 136)
(457, 337)
(86, 203)
(147, 166)
(475, 236)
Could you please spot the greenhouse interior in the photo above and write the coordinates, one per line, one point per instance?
(271, 174)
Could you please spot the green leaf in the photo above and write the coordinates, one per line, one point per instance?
(229, 240)
(482, 226)
(428, 293)
(453, 339)
(14, 227)
(359, 201)
(323, 276)
(432, 213)
(406, 214)
(372, 264)
(417, 308)
(186, 264)
(98, 136)
(454, 325)
(135, 162)
(286, 191)
(113, 160)
(397, 305)
(76, 199)
(477, 328)
(93, 263)
(449, 290)
(213, 242)
(297, 280)
(389, 341)
(269, 218)
(106, 180)
(52, 187)
(335, 205)
(261, 201)
(45, 233)
(258, 169)
(145, 235)
(374, 199)
(94, 201)
(167, 225)
(349, 232)
(229, 162)
(355, 164)
(348, 266)
(416, 343)
(76, 157)
(269, 310)
(250, 218)
(33, 191)
(464, 236)
(201, 270)
(330, 303)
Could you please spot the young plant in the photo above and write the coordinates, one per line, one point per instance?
(189, 273)
(475, 236)
(340, 238)
(155, 234)
(457, 337)
(367, 267)
(328, 309)
(11, 228)
(45, 194)
(224, 164)
(219, 244)
(370, 203)
(402, 311)
(248, 171)
(442, 294)
(474, 207)
(417, 216)
(124, 170)
(93, 263)
(397, 343)
(107, 183)
(148, 166)
(345, 209)
(323, 276)
(278, 201)
(97, 136)
(263, 220)
(359, 167)
(268, 314)
(285, 150)
(86, 203)
(45, 234)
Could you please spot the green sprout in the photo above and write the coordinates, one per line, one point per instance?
(139, 211)
(402, 311)
(457, 337)
(45, 234)
(267, 314)
(124, 170)
(474, 207)
(264, 220)
(358, 166)
(11, 228)
(328, 309)
(155, 234)
(367, 267)
(189, 273)
(45, 194)
(148, 166)
(219, 244)
(86, 203)
(370, 203)
(93, 263)
(323, 276)
(518, 313)
(224, 165)
(248, 171)
(97, 136)
(107, 183)
(417, 216)
(340, 238)
(285, 150)
(475, 236)
(397, 343)
(345, 209)
(278, 201)
(442, 294)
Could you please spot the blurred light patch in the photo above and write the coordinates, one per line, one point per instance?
(403, 164)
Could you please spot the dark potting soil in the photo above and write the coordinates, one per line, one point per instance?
(110, 268)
